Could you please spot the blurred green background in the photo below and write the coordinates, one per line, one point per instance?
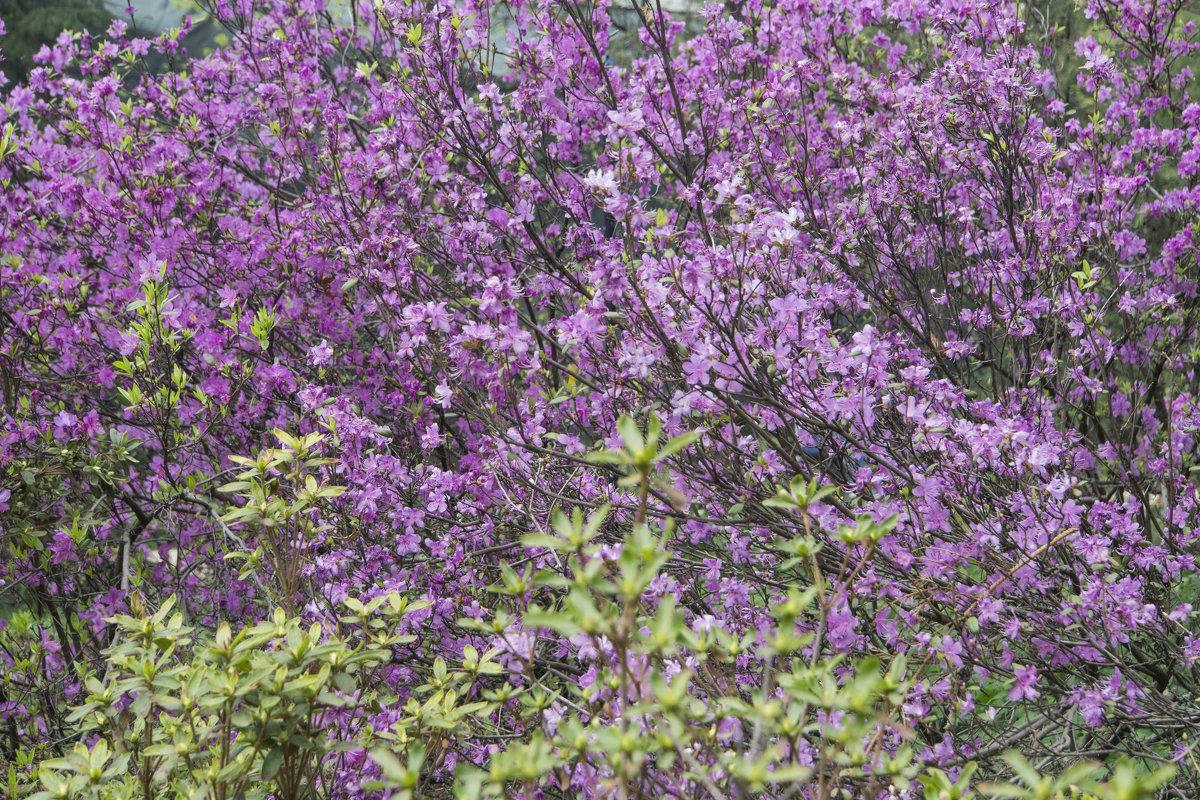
(33, 23)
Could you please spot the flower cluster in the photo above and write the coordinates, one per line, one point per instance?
(938, 255)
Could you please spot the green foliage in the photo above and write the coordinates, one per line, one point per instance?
(273, 709)
(642, 456)
(281, 490)
(811, 721)
(1083, 781)
(240, 715)
(156, 382)
(32, 24)
(57, 471)
(52, 523)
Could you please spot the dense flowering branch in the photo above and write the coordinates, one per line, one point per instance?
(937, 254)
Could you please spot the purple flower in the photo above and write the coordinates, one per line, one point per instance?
(62, 548)
(320, 353)
(1023, 687)
(627, 122)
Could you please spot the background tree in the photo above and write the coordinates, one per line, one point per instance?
(30, 25)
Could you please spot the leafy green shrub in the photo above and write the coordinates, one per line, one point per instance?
(230, 716)
(661, 703)
(286, 709)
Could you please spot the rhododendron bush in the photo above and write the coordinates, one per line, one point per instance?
(772, 399)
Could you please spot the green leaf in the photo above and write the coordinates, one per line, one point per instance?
(653, 430)
(555, 622)
(1078, 774)
(271, 763)
(792, 773)
(628, 429)
(54, 783)
(542, 540)
(677, 444)
(1005, 790)
(396, 773)
(1022, 768)
(468, 783)
(781, 500)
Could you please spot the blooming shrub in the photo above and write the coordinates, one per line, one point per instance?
(909, 287)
